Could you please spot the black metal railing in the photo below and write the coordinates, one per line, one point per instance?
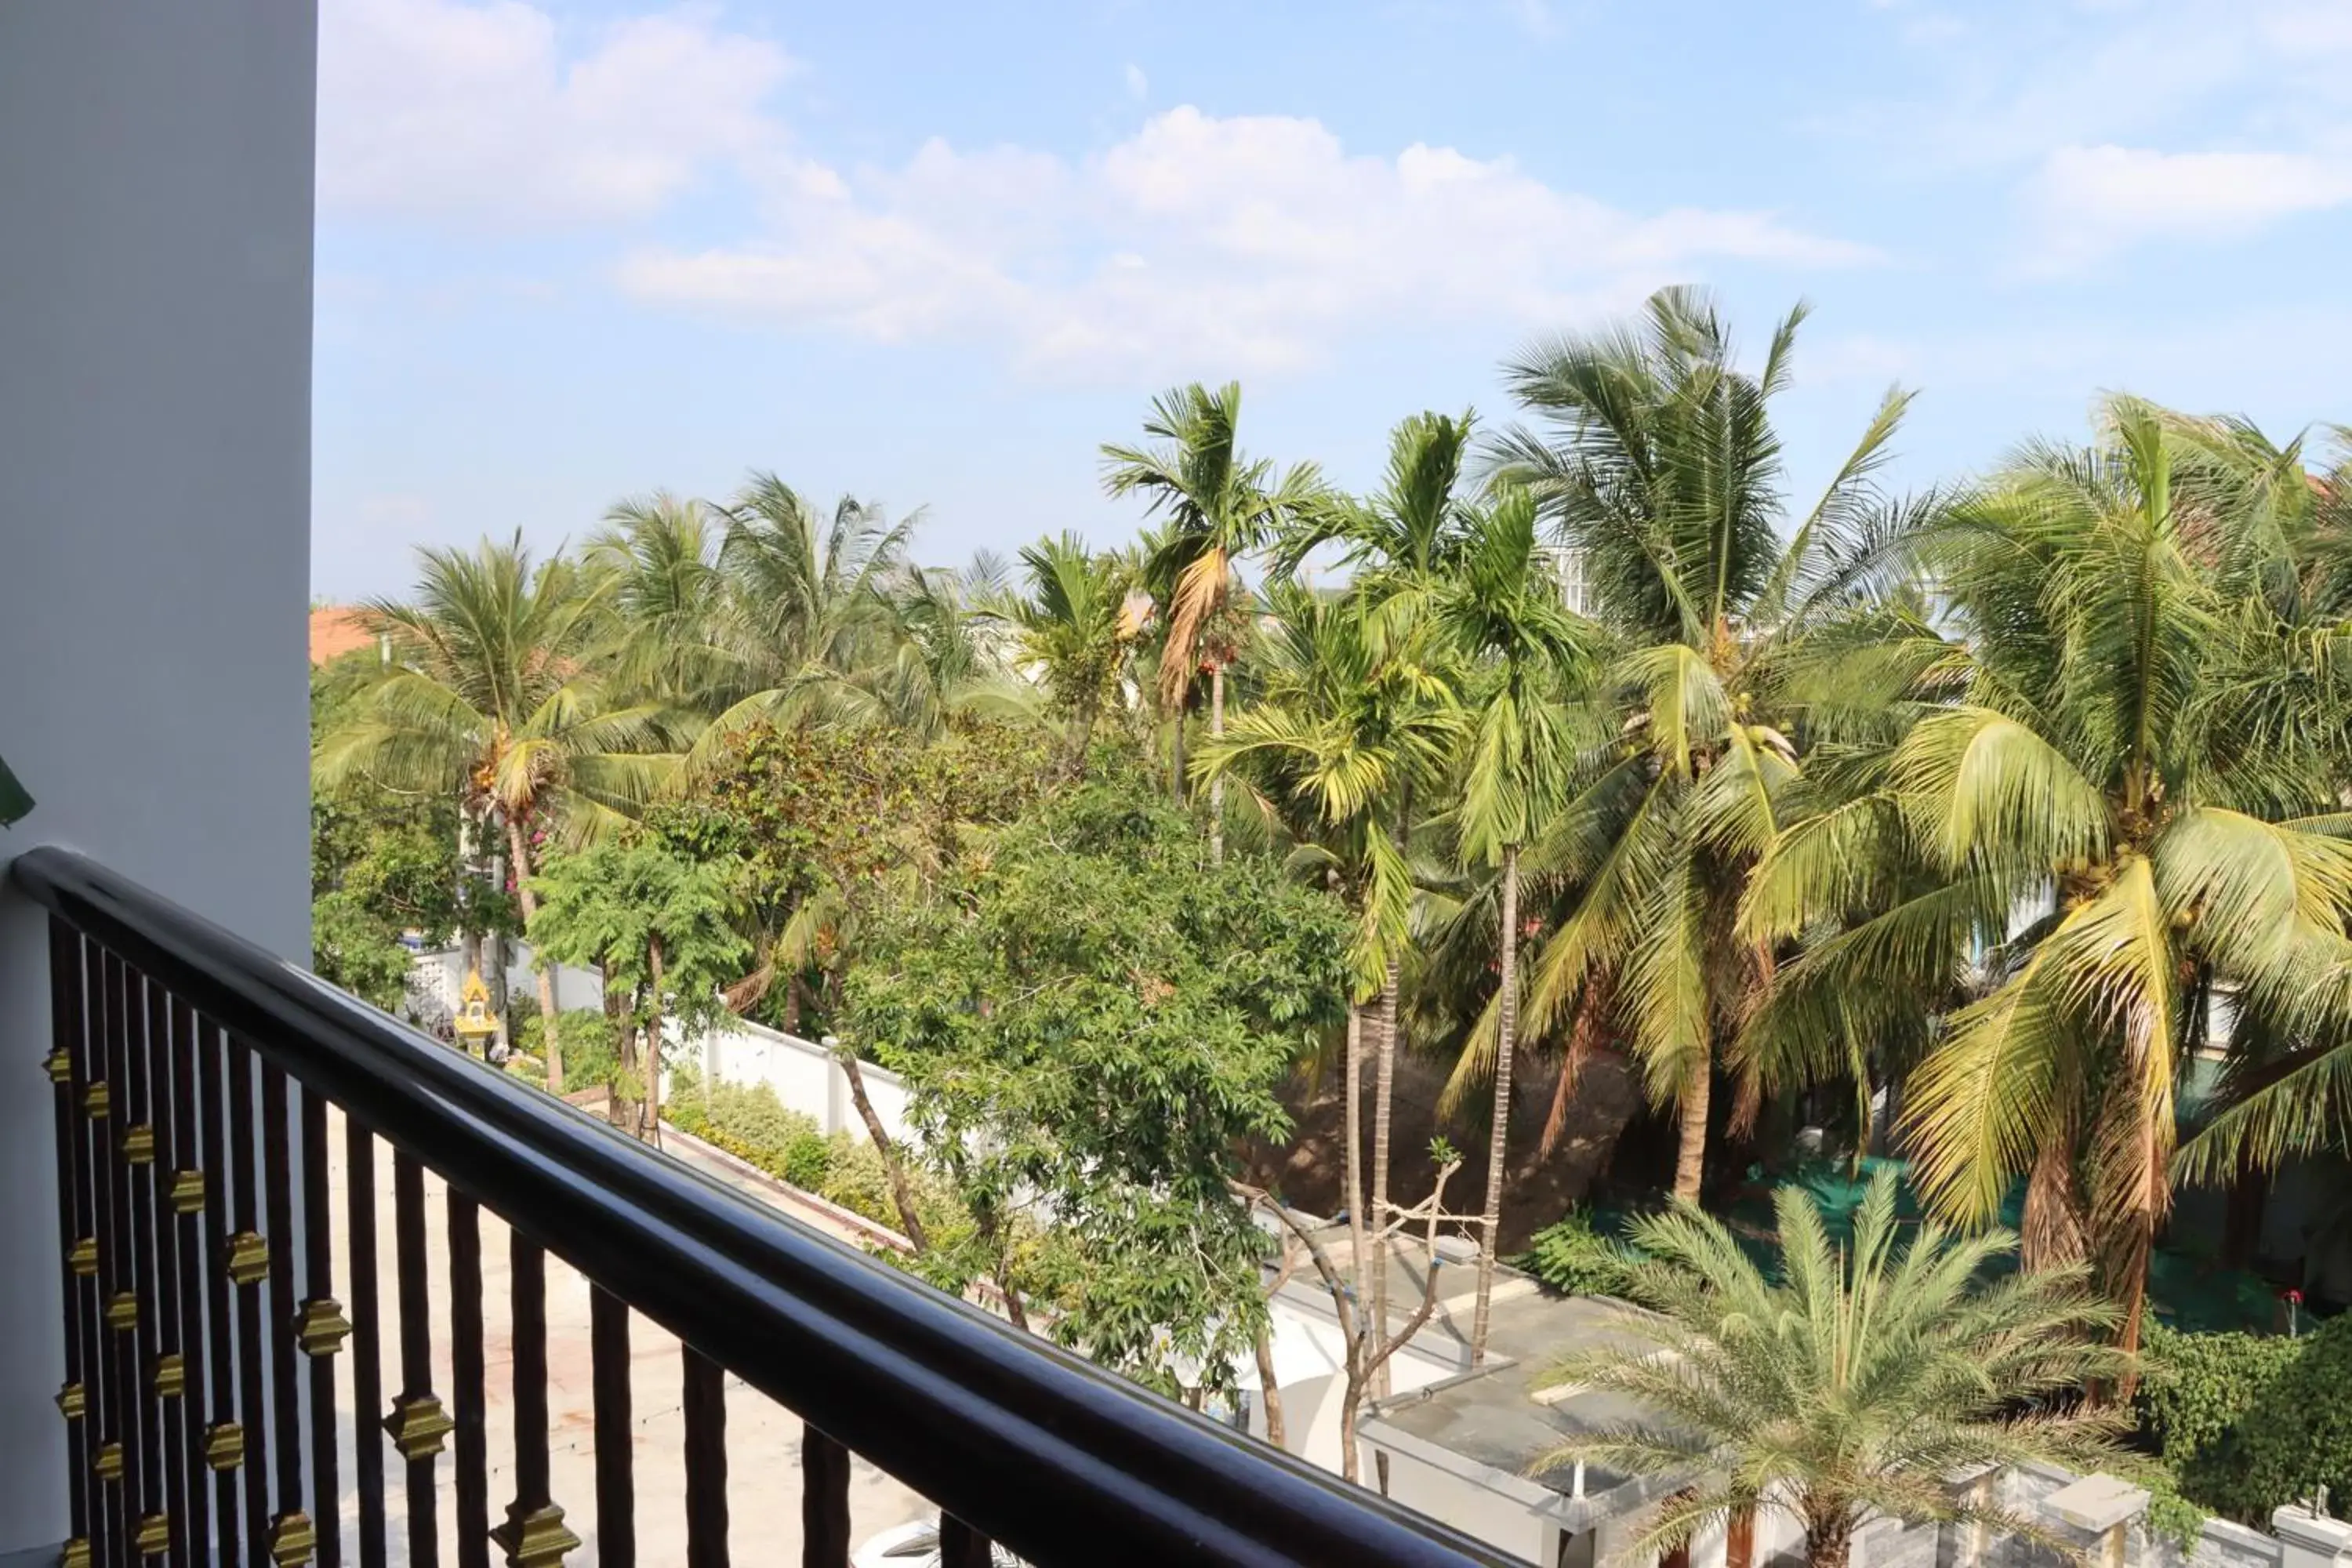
(194, 1076)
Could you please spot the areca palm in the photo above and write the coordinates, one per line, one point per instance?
(493, 698)
(1350, 721)
(1502, 610)
(2091, 782)
(1220, 506)
(1659, 466)
(1853, 1385)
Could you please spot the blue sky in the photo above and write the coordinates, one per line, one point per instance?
(934, 254)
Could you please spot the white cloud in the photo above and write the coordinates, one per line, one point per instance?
(2089, 201)
(1200, 243)
(491, 111)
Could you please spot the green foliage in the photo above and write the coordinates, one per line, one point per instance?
(592, 1052)
(1090, 1019)
(1853, 1383)
(629, 903)
(1576, 1259)
(2249, 1423)
(749, 1122)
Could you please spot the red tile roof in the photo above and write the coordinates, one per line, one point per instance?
(335, 631)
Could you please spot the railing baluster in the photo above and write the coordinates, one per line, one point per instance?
(142, 1023)
(418, 1425)
(116, 1460)
(292, 1537)
(962, 1546)
(323, 1327)
(466, 1376)
(706, 1462)
(224, 1439)
(248, 1269)
(825, 1501)
(616, 1498)
(367, 1339)
(75, 1221)
(534, 1534)
(168, 1367)
(188, 1157)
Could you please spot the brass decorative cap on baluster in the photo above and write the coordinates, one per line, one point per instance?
(155, 1537)
(73, 1401)
(107, 1461)
(58, 1065)
(74, 1553)
(96, 1099)
(536, 1538)
(291, 1538)
(224, 1445)
(187, 1192)
(122, 1310)
(320, 1327)
(248, 1258)
(419, 1427)
(139, 1145)
(171, 1376)
(82, 1255)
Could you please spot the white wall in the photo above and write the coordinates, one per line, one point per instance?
(155, 187)
(805, 1078)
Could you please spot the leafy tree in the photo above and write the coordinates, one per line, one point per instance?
(2248, 1424)
(1090, 1020)
(1220, 507)
(660, 924)
(494, 703)
(1661, 469)
(1851, 1385)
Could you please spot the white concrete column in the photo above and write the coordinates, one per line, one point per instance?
(2307, 1540)
(155, 219)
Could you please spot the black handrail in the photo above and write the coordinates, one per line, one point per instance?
(1038, 1448)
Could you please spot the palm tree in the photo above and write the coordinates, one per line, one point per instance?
(1220, 506)
(1662, 472)
(1502, 610)
(666, 596)
(493, 700)
(1073, 628)
(1851, 1385)
(2110, 787)
(808, 630)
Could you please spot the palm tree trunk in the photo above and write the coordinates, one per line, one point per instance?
(1690, 1160)
(1176, 757)
(1383, 1102)
(1353, 1163)
(1506, 1028)
(1828, 1541)
(649, 1105)
(521, 849)
(1217, 784)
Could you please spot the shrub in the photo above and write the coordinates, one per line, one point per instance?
(592, 1053)
(749, 1122)
(1575, 1259)
(2249, 1423)
(857, 1180)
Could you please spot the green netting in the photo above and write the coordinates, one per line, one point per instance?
(2185, 1289)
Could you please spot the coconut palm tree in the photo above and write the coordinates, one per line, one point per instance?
(1219, 506)
(808, 630)
(1658, 464)
(1501, 609)
(2111, 785)
(493, 698)
(665, 597)
(1851, 1385)
(1073, 628)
